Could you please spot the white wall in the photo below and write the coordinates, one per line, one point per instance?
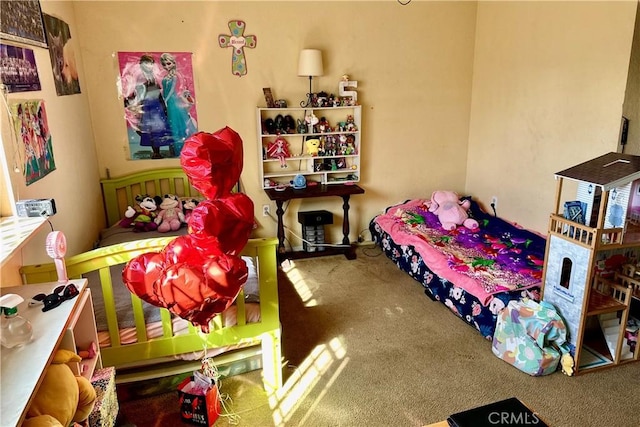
(548, 86)
(413, 65)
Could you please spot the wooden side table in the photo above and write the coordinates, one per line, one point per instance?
(312, 191)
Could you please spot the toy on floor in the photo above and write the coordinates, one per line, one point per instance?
(62, 398)
(451, 211)
(567, 363)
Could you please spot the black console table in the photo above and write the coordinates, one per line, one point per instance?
(341, 190)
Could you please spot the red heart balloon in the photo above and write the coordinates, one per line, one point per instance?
(199, 275)
(225, 275)
(182, 249)
(224, 223)
(141, 273)
(213, 162)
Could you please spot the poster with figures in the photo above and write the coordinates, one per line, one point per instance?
(158, 94)
(32, 130)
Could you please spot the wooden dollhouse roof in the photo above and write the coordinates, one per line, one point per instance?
(608, 171)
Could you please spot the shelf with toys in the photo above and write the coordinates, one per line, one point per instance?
(320, 143)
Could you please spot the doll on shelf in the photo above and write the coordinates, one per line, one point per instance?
(279, 149)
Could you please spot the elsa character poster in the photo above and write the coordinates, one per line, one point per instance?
(159, 102)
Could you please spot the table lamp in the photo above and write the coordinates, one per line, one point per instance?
(309, 65)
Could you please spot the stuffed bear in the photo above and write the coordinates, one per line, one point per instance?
(62, 397)
(451, 211)
(170, 216)
(141, 218)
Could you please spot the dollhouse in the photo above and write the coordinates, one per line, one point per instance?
(593, 248)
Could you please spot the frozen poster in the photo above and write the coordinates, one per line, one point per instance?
(159, 102)
(32, 129)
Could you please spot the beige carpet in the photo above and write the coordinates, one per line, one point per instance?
(365, 347)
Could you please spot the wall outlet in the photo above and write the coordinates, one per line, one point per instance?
(494, 201)
(266, 210)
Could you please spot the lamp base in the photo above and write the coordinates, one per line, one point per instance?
(308, 102)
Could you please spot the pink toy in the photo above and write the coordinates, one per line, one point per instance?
(450, 210)
(170, 217)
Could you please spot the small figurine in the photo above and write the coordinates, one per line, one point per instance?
(323, 125)
(302, 127)
(289, 124)
(311, 120)
(350, 126)
(279, 149)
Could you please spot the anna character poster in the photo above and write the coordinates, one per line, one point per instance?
(157, 89)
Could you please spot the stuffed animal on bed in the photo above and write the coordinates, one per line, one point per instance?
(170, 216)
(63, 397)
(451, 211)
(141, 218)
(188, 205)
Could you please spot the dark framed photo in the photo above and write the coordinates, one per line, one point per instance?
(624, 130)
(18, 70)
(268, 97)
(21, 21)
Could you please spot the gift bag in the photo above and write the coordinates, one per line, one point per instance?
(530, 336)
(199, 401)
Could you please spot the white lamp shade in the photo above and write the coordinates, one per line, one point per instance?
(310, 62)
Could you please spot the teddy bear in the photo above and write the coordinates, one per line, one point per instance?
(170, 216)
(63, 397)
(450, 210)
(141, 218)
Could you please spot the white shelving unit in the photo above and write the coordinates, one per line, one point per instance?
(69, 326)
(338, 160)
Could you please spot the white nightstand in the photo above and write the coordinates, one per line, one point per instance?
(69, 326)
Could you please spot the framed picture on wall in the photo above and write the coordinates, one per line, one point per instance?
(21, 21)
(18, 70)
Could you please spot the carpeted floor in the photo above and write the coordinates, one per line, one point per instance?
(364, 346)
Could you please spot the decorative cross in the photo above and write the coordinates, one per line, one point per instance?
(238, 41)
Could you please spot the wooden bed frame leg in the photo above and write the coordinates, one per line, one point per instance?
(271, 361)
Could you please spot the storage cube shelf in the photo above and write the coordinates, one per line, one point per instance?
(335, 157)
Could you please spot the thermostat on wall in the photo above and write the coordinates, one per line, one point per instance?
(36, 207)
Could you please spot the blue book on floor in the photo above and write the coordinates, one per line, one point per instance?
(508, 412)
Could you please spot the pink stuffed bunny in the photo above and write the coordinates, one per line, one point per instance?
(451, 211)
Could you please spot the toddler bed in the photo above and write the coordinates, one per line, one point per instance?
(134, 334)
(475, 273)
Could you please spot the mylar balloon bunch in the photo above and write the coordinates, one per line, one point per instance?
(200, 274)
